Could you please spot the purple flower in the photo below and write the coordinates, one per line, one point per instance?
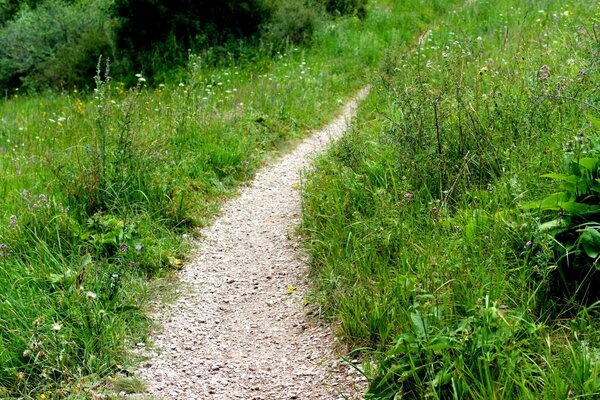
(123, 248)
(32, 159)
(528, 244)
(138, 247)
(408, 196)
(131, 264)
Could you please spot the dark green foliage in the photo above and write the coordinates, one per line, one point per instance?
(156, 35)
(292, 22)
(10, 8)
(571, 226)
(347, 7)
(56, 45)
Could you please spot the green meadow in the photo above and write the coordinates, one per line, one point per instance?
(454, 229)
(102, 189)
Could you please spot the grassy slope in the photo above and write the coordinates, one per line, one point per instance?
(420, 247)
(96, 191)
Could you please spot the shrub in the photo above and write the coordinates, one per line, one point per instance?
(347, 7)
(292, 22)
(154, 36)
(55, 44)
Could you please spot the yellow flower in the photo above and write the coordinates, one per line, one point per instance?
(42, 396)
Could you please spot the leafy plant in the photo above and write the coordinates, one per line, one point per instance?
(471, 355)
(574, 230)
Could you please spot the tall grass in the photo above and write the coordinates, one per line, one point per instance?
(422, 247)
(97, 190)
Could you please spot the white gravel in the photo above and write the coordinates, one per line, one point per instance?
(240, 330)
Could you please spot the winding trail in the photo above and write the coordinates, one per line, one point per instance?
(240, 330)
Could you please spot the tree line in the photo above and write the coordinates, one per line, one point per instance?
(57, 43)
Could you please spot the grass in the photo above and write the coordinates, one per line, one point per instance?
(97, 190)
(426, 245)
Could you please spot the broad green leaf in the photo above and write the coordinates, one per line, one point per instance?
(551, 202)
(419, 324)
(590, 240)
(554, 225)
(439, 343)
(589, 163)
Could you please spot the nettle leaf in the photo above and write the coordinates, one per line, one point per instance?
(590, 240)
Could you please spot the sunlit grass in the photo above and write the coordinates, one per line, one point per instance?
(97, 188)
(421, 247)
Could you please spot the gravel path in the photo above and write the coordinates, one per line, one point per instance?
(241, 331)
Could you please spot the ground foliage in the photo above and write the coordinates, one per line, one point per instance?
(98, 189)
(454, 230)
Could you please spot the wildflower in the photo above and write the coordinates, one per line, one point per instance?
(123, 248)
(25, 193)
(27, 353)
(528, 244)
(18, 171)
(131, 264)
(57, 327)
(543, 73)
(90, 295)
(138, 247)
(12, 221)
(408, 196)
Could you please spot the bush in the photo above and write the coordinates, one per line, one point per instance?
(55, 45)
(155, 36)
(292, 22)
(347, 7)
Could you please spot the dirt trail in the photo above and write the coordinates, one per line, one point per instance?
(240, 330)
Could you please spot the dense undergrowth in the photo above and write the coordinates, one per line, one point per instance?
(97, 190)
(455, 228)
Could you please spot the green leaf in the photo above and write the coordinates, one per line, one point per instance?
(581, 209)
(551, 202)
(440, 343)
(589, 163)
(594, 120)
(85, 260)
(590, 240)
(419, 324)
